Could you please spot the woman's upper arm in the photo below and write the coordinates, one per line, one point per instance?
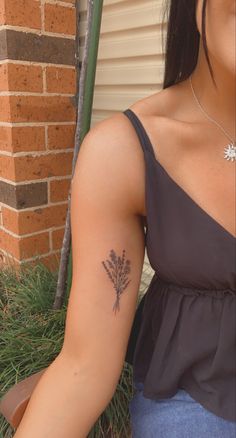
(107, 249)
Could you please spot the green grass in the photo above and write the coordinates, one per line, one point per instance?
(31, 336)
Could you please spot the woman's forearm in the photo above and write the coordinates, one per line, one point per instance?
(66, 402)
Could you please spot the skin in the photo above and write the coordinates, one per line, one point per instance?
(194, 156)
(107, 213)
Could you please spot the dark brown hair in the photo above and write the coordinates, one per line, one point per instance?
(182, 40)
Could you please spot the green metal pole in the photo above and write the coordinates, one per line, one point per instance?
(94, 33)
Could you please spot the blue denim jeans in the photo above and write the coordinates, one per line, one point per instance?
(179, 416)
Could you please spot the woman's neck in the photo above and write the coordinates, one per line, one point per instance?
(218, 102)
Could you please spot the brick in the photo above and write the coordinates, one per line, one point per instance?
(9, 243)
(59, 19)
(3, 77)
(10, 219)
(27, 46)
(7, 167)
(24, 247)
(72, 2)
(28, 138)
(27, 167)
(2, 12)
(36, 109)
(34, 245)
(22, 138)
(23, 195)
(61, 136)
(30, 168)
(5, 112)
(57, 238)
(18, 77)
(22, 13)
(30, 221)
(59, 190)
(60, 80)
(24, 211)
(5, 139)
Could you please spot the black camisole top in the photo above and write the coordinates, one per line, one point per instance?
(184, 331)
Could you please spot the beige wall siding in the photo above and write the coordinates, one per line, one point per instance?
(130, 58)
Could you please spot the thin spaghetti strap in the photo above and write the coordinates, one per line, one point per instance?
(141, 131)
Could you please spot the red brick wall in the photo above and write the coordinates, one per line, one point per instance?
(37, 126)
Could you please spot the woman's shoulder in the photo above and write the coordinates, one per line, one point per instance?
(111, 156)
(116, 133)
(111, 149)
(114, 141)
(117, 129)
(167, 109)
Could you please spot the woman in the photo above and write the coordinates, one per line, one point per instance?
(174, 174)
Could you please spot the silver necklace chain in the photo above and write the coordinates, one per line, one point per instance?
(230, 150)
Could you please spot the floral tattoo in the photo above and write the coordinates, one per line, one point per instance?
(117, 270)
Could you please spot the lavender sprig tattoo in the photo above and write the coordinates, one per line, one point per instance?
(117, 270)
